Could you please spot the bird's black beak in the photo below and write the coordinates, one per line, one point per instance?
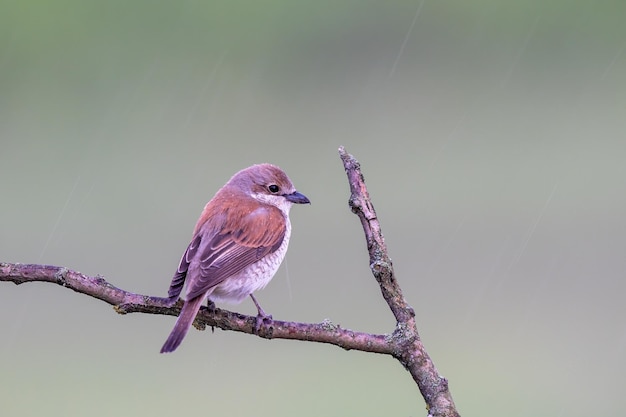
(297, 198)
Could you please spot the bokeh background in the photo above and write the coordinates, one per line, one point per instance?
(493, 139)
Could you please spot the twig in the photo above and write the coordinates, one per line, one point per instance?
(409, 348)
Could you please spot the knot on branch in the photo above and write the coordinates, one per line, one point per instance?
(381, 267)
(200, 325)
(61, 276)
(329, 326)
(355, 204)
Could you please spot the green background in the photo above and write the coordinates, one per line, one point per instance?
(493, 139)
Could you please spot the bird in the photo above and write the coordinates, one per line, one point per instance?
(237, 245)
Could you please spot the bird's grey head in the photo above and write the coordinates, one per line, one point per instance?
(269, 184)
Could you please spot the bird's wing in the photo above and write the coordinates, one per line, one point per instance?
(242, 241)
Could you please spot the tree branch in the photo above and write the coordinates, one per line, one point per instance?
(126, 302)
(409, 348)
(403, 344)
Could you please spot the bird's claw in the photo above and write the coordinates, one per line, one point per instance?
(260, 320)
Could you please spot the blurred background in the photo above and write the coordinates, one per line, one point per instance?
(492, 136)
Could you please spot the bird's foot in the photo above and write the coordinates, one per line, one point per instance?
(262, 319)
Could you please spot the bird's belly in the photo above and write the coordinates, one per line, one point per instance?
(253, 278)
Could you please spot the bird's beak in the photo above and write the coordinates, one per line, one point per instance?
(297, 198)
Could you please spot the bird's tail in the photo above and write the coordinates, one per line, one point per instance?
(184, 322)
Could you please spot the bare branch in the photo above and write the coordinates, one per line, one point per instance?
(403, 344)
(410, 352)
(126, 302)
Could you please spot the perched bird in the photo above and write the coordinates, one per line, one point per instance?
(237, 245)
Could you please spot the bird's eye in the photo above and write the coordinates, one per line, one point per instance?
(273, 188)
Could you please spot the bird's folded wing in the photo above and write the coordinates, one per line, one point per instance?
(240, 242)
(178, 281)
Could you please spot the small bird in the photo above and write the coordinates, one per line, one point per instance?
(237, 245)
